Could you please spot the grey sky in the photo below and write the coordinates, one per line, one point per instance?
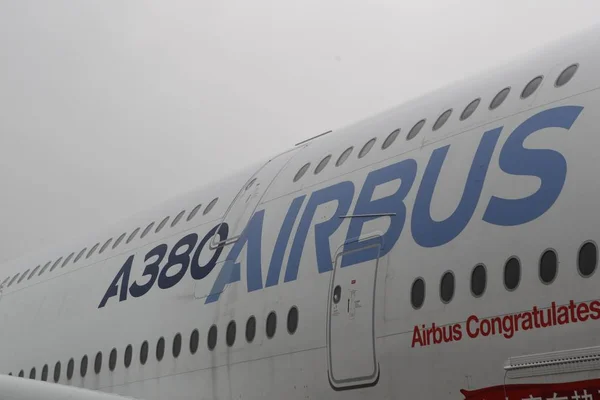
(110, 107)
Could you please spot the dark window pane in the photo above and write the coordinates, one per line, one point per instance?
(160, 349)
(98, 363)
(144, 353)
(212, 337)
(587, 259)
(322, 164)
(250, 329)
(470, 109)
(83, 366)
(128, 355)
(447, 287)
(442, 119)
(292, 320)
(478, 280)
(112, 359)
(45, 373)
(415, 130)
(499, 99)
(271, 324)
(21, 374)
(194, 340)
(566, 75)
(301, 172)
(177, 345)
(548, 266)
(344, 156)
(57, 372)
(417, 293)
(32, 373)
(230, 334)
(390, 139)
(70, 368)
(531, 87)
(366, 148)
(512, 273)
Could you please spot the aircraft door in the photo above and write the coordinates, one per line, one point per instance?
(352, 359)
(243, 205)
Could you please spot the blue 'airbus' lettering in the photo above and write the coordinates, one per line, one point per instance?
(515, 159)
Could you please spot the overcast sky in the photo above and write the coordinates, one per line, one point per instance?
(110, 107)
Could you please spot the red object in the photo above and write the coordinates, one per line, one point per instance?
(353, 281)
(536, 391)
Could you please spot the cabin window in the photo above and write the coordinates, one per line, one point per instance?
(128, 355)
(230, 334)
(292, 320)
(417, 293)
(32, 272)
(212, 337)
(415, 130)
(162, 224)
(531, 87)
(160, 349)
(45, 268)
(301, 172)
(70, 369)
(194, 212)
(322, 164)
(390, 139)
(148, 228)
(105, 245)
(344, 156)
(144, 352)
(23, 276)
(6, 280)
(177, 218)
(210, 206)
(44, 373)
(67, 260)
(132, 236)
(92, 250)
(57, 371)
(478, 280)
(512, 273)
(119, 240)
(566, 75)
(442, 119)
(470, 109)
(21, 374)
(98, 362)
(84, 365)
(55, 264)
(250, 329)
(112, 359)
(271, 324)
(13, 280)
(447, 287)
(80, 254)
(194, 340)
(548, 266)
(32, 373)
(366, 148)
(177, 345)
(587, 259)
(499, 99)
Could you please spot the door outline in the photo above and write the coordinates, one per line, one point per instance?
(372, 379)
(245, 187)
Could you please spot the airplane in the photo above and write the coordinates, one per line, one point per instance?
(445, 248)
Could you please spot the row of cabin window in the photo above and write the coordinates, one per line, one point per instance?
(117, 242)
(587, 261)
(230, 336)
(564, 77)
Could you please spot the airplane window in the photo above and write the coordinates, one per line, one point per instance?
(112, 359)
(212, 337)
(45, 268)
(144, 353)
(6, 280)
(70, 368)
(160, 349)
(415, 130)
(499, 99)
(147, 230)
(92, 250)
(271, 324)
(322, 164)
(366, 148)
(83, 366)
(512, 273)
(67, 260)
(442, 119)
(531, 87)
(105, 245)
(80, 254)
(119, 240)
(132, 236)
(23, 276)
(301, 172)
(162, 224)
(55, 264)
(194, 339)
(470, 109)
(98, 362)
(177, 345)
(57, 371)
(177, 218)
(21, 374)
(344, 156)
(32, 373)
(13, 280)
(390, 139)
(587, 259)
(230, 334)
(548, 266)
(292, 320)
(45, 373)
(210, 206)
(478, 280)
(194, 212)
(566, 75)
(417, 293)
(447, 287)
(10, 373)
(128, 355)
(250, 329)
